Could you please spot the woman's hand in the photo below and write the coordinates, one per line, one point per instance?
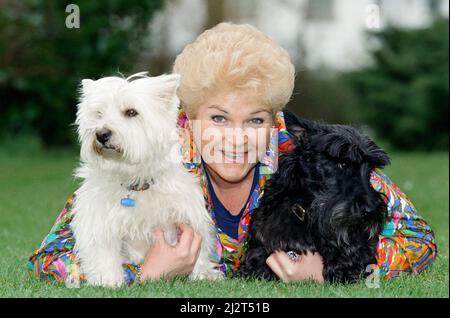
(309, 266)
(166, 260)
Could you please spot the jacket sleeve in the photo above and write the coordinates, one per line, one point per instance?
(55, 259)
(407, 242)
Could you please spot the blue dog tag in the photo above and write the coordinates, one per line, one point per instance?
(128, 202)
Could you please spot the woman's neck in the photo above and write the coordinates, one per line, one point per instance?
(233, 195)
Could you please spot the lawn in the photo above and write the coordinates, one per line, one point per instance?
(34, 186)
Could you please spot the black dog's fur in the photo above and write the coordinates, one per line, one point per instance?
(320, 199)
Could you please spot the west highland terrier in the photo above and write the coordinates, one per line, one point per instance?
(133, 180)
(321, 200)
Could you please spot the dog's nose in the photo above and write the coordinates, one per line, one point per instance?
(103, 135)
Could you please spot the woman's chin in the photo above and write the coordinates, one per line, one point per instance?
(232, 171)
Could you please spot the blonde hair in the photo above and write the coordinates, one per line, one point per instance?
(234, 57)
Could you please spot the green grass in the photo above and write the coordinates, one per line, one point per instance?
(33, 189)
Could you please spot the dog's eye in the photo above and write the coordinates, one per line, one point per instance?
(131, 113)
(342, 165)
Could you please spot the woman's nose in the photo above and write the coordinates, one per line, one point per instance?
(236, 136)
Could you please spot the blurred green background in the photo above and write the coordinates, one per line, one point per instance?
(42, 61)
(400, 96)
(365, 63)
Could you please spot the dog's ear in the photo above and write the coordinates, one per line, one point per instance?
(298, 126)
(168, 86)
(376, 156)
(86, 85)
(299, 133)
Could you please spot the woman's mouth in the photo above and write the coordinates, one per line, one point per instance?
(234, 157)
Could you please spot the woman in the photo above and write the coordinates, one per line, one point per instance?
(234, 83)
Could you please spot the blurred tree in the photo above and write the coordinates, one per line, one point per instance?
(215, 13)
(403, 96)
(320, 95)
(42, 61)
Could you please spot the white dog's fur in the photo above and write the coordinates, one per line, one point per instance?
(141, 149)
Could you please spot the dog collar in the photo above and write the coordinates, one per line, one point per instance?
(299, 212)
(128, 201)
(136, 187)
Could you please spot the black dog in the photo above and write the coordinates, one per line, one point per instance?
(320, 199)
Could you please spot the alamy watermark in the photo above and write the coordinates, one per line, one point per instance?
(73, 17)
(373, 280)
(373, 17)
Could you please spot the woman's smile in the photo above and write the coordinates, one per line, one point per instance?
(230, 157)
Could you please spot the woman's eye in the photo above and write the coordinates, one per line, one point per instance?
(131, 113)
(256, 121)
(218, 119)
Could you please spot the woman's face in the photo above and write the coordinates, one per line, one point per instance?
(232, 132)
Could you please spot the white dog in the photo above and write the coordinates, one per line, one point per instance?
(133, 178)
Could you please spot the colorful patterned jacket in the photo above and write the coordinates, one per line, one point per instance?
(405, 245)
